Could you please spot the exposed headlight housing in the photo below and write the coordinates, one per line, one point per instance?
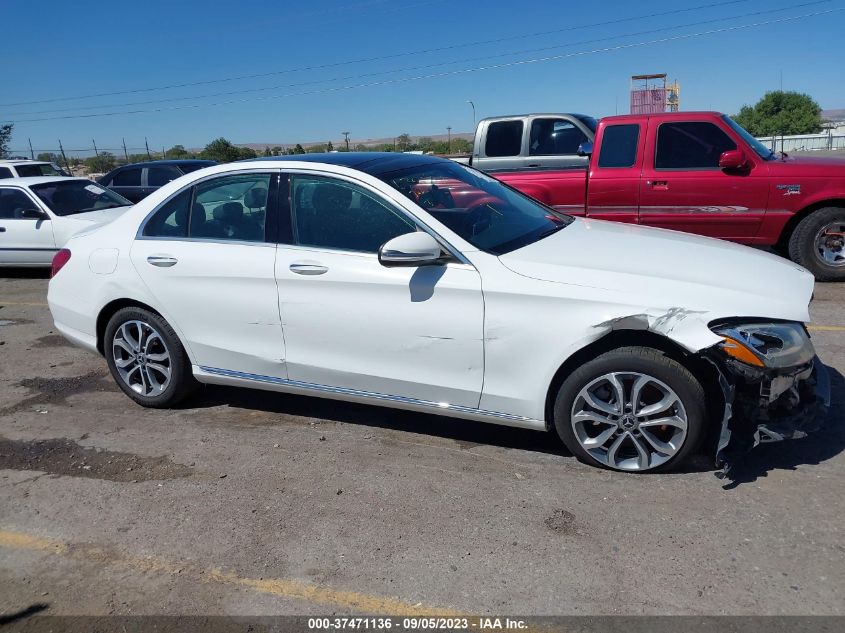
(767, 345)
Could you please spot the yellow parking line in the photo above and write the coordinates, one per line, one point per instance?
(282, 588)
(826, 328)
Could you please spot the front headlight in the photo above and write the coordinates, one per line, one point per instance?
(771, 345)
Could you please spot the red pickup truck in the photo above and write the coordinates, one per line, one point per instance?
(698, 172)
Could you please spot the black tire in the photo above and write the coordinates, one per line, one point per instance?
(181, 382)
(649, 362)
(802, 243)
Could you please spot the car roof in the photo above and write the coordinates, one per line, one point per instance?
(38, 180)
(373, 163)
(23, 161)
(169, 161)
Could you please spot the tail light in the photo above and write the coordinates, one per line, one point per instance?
(59, 260)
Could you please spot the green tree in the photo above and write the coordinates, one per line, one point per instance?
(268, 151)
(246, 152)
(329, 146)
(222, 150)
(360, 147)
(5, 137)
(298, 149)
(49, 157)
(177, 151)
(461, 145)
(277, 151)
(100, 164)
(403, 142)
(780, 112)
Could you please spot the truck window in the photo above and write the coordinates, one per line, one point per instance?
(553, 137)
(504, 138)
(619, 145)
(690, 145)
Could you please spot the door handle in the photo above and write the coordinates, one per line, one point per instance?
(533, 165)
(658, 184)
(308, 268)
(162, 261)
(2, 229)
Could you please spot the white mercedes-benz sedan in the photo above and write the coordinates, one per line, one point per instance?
(39, 214)
(415, 282)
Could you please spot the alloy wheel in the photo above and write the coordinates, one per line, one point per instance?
(629, 421)
(142, 358)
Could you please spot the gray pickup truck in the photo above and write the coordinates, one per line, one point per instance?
(531, 141)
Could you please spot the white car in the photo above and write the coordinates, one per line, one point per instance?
(419, 283)
(25, 168)
(38, 215)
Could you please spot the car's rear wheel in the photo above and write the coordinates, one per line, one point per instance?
(631, 409)
(146, 358)
(818, 244)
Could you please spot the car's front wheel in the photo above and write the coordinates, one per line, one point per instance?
(146, 358)
(631, 409)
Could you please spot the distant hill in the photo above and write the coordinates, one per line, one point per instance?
(355, 141)
(834, 115)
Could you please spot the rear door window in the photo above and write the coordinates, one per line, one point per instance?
(127, 178)
(160, 176)
(619, 146)
(690, 145)
(504, 138)
(554, 137)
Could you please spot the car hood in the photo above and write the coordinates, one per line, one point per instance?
(668, 270)
(103, 216)
(809, 166)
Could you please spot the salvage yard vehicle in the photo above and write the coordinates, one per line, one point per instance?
(138, 180)
(698, 172)
(38, 215)
(356, 276)
(25, 168)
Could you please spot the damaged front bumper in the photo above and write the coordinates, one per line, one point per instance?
(767, 405)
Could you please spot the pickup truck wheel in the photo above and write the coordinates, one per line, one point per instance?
(632, 409)
(818, 244)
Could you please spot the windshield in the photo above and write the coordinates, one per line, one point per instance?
(486, 213)
(69, 197)
(761, 150)
(38, 169)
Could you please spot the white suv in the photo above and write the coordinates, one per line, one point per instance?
(23, 168)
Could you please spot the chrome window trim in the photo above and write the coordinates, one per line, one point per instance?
(139, 234)
(444, 243)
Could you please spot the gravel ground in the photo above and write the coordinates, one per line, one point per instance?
(245, 502)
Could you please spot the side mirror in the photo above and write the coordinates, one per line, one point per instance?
(733, 159)
(34, 214)
(410, 249)
(585, 149)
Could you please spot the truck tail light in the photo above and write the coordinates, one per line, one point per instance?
(59, 260)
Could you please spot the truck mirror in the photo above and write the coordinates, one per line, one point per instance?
(733, 159)
(585, 149)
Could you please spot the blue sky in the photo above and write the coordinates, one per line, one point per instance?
(68, 49)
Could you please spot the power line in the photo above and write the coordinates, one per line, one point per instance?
(413, 68)
(522, 62)
(381, 57)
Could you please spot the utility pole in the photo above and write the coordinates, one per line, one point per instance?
(96, 153)
(31, 153)
(346, 135)
(473, 113)
(125, 153)
(67, 164)
(147, 145)
(449, 130)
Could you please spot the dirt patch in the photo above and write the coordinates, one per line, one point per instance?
(63, 456)
(563, 522)
(5, 322)
(52, 340)
(47, 391)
